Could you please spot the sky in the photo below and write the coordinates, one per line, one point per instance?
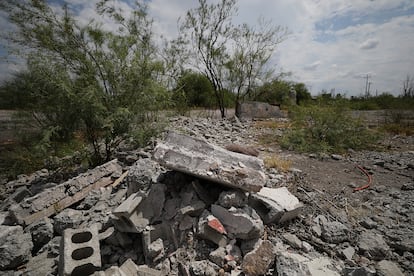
(333, 44)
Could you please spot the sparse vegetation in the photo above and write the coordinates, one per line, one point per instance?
(327, 129)
(278, 163)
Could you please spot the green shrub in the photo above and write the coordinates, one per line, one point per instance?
(326, 129)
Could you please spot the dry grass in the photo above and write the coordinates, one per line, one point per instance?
(272, 124)
(278, 163)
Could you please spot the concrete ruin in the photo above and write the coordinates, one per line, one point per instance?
(250, 110)
(199, 158)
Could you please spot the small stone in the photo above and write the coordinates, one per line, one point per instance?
(42, 232)
(334, 232)
(368, 223)
(203, 268)
(292, 240)
(217, 256)
(356, 271)
(407, 187)
(336, 157)
(15, 247)
(388, 268)
(306, 247)
(156, 248)
(348, 252)
(258, 261)
(373, 245)
(68, 218)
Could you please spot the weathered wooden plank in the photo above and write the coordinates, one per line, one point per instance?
(66, 202)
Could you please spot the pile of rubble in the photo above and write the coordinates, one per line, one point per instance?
(190, 207)
(206, 215)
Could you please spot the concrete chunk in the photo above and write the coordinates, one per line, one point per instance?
(388, 268)
(259, 260)
(275, 205)
(138, 211)
(202, 159)
(239, 223)
(213, 234)
(288, 263)
(15, 247)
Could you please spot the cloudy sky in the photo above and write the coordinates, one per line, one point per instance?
(333, 44)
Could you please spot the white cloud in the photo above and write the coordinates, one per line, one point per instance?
(322, 58)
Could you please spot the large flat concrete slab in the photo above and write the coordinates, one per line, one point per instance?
(199, 158)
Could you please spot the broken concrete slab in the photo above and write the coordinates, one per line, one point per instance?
(293, 264)
(292, 240)
(15, 247)
(129, 268)
(57, 198)
(142, 174)
(68, 218)
(199, 158)
(79, 252)
(275, 205)
(139, 210)
(203, 268)
(373, 245)
(250, 110)
(259, 260)
(388, 268)
(240, 223)
(334, 232)
(213, 231)
(41, 232)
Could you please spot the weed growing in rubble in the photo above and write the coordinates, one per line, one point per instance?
(278, 163)
(327, 129)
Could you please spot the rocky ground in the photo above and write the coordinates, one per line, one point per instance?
(339, 231)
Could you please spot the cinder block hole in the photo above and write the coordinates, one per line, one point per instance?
(82, 237)
(84, 270)
(82, 253)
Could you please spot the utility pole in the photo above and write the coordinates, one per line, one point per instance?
(367, 85)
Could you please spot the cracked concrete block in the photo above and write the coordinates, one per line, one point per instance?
(199, 158)
(153, 238)
(203, 268)
(138, 211)
(373, 245)
(214, 231)
(334, 232)
(68, 218)
(293, 264)
(42, 232)
(249, 110)
(292, 240)
(275, 205)
(79, 252)
(259, 260)
(129, 268)
(388, 268)
(15, 247)
(240, 223)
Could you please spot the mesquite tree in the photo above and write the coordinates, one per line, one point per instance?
(233, 58)
(84, 76)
